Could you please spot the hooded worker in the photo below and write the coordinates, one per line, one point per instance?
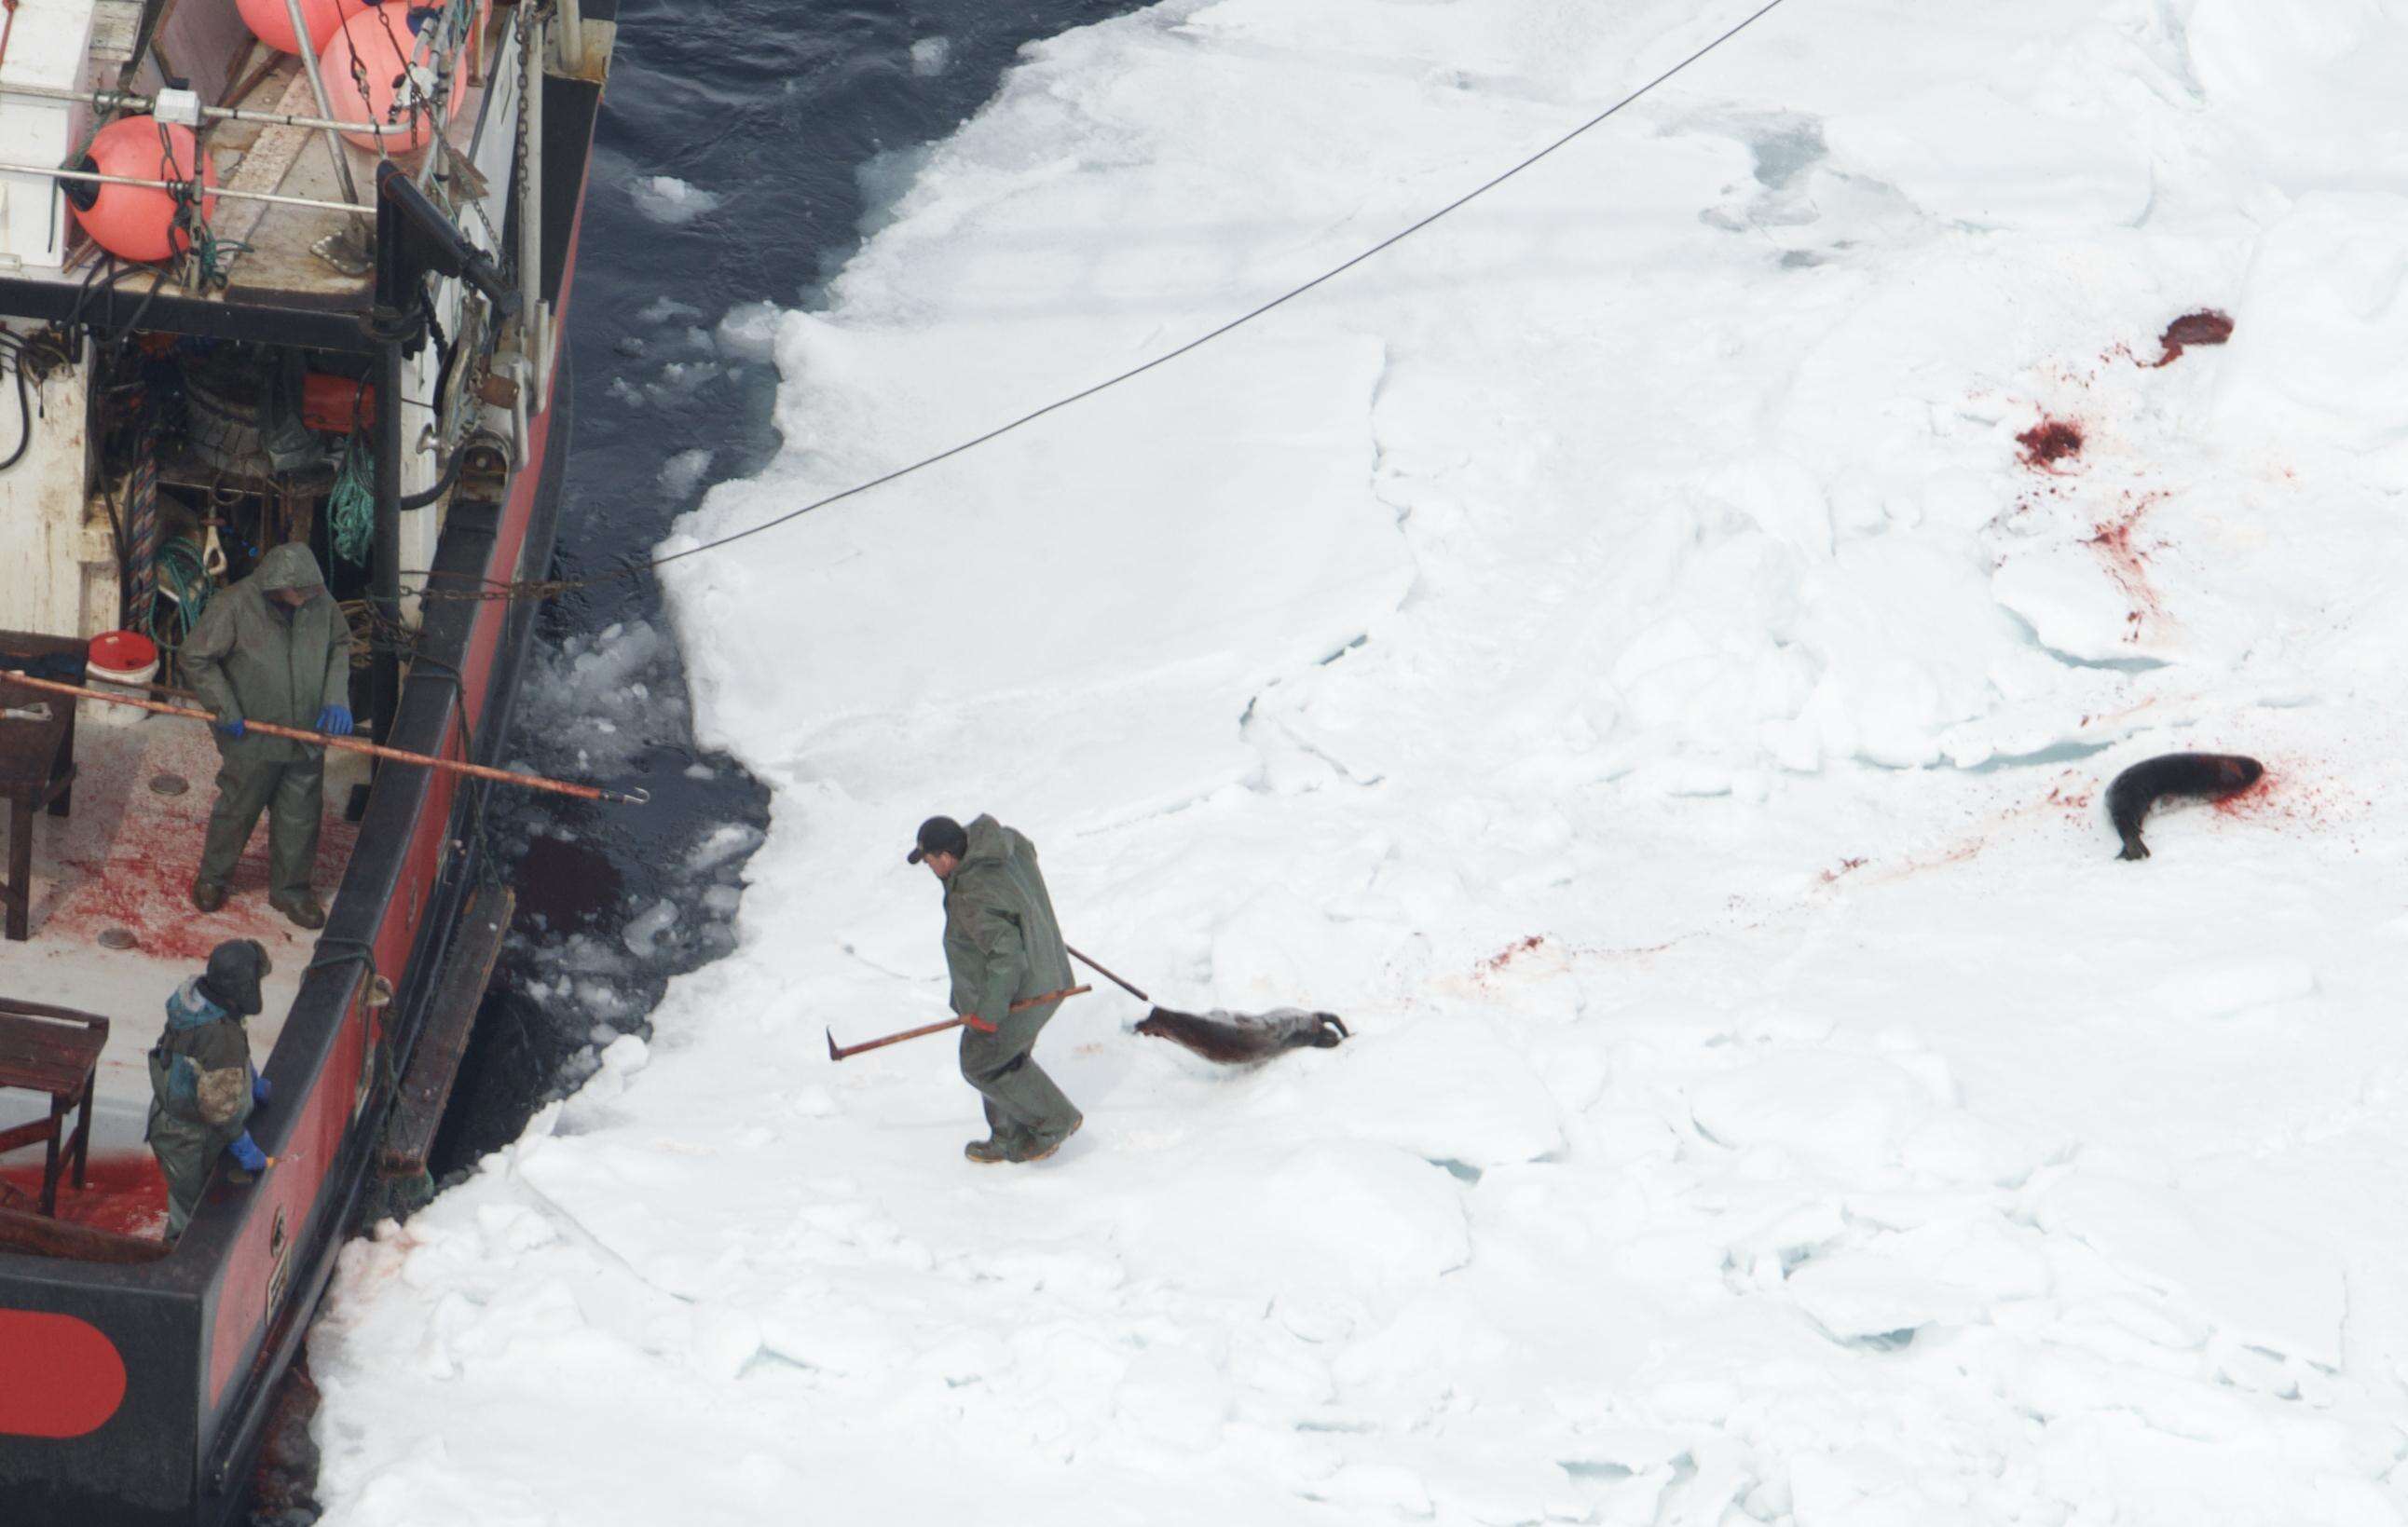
(203, 1086)
(272, 648)
(1002, 945)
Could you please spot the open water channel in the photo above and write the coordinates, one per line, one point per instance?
(741, 149)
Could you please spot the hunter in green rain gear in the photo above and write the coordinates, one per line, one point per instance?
(1002, 945)
(272, 648)
(203, 1086)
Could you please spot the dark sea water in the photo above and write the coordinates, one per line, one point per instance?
(791, 118)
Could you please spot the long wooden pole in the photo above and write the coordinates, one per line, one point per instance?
(348, 745)
(1108, 975)
(838, 1052)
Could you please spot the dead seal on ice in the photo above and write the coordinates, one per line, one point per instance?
(1238, 1038)
(2152, 780)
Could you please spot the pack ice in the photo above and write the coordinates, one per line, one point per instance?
(1614, 649)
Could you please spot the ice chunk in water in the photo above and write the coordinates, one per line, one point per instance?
(606, 697)
(683, 472)
(644, 932)
(728, 840)
(667, 199)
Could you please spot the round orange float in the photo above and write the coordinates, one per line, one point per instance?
(377, 48)
(271, 24)
(138, 222)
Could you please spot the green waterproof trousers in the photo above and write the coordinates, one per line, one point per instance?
(1023, 1106)
(186, 1151)
(294, 794)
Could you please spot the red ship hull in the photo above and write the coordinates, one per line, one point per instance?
(136, 1392)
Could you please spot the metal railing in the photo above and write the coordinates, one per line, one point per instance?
(118, 100)
(96, 178)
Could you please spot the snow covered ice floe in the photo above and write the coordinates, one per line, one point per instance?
(1615, 649)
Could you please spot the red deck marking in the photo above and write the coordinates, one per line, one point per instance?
(59, 1377)
(124, 1191)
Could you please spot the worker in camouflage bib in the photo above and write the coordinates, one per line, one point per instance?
(204, 1087)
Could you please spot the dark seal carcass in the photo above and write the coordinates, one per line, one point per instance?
(1238, 1038)
(2152, 780)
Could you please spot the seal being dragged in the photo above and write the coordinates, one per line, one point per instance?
(1238, 1038)
(2152, 780)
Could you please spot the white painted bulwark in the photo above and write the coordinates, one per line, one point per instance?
(49, 44)
(62, 577)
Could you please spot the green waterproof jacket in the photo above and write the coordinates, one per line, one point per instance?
(202, 1084)
(249, 658)
(1001, 941)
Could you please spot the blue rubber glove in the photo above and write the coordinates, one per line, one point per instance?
(259, 1091)
(335, 720)
(248, 1153)
(232, 729)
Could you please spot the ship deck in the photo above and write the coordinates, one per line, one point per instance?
(271, 257)
(280, 265)
(122, 863)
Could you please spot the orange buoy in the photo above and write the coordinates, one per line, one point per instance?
(377, 48)
(336, 405)
(138, 222)
(271, 24)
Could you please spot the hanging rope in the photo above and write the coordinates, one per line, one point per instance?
(204, 259)
(142, 528)
(351, 508)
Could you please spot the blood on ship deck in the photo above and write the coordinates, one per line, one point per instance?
(121, 863)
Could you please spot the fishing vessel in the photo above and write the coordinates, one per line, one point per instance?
(271, 271)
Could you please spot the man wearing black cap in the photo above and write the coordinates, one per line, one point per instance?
(203, 1087)
(1001, 945)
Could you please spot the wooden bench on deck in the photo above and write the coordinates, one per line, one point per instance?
(53, 1050)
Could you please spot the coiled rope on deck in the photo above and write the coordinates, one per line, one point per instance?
(180, 583)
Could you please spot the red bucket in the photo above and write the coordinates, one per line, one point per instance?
(119, 662)
(124, 654)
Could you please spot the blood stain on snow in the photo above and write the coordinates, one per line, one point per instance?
(2251, 802)
(2050, 441)
(1511, 952)
(2293, 799)
(1640, 951)
(2128, 562)
(1845, 866)
(2207, 326)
